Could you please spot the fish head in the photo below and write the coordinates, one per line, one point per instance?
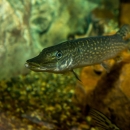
(55, 59)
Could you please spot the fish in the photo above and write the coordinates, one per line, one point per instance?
(72, 54)
(100, 121)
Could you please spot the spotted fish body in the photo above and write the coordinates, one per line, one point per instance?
(77, 53)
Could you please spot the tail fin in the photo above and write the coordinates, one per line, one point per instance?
(101, 121)
(124, 31)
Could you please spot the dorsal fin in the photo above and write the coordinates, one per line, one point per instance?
(124, 31)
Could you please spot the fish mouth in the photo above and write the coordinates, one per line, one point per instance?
(33, 66)
(39, 68)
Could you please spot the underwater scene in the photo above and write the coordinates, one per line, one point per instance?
(65, 65)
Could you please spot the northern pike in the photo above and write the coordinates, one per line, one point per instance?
(72, 54)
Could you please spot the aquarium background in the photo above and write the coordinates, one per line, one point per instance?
(44, 101)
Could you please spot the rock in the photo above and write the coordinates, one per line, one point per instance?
(124, 13)
(15, 45)
(108, 92)
(60, 19)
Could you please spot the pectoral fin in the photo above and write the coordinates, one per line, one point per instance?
(118, 59)
(105, 66)
(76, 75)
(128, 43)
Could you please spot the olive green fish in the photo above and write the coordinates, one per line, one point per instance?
(101, 121)
(72, 54)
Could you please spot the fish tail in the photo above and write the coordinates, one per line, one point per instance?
(124, 31)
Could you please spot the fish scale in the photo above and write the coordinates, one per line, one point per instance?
(72, 54)
(95, 49)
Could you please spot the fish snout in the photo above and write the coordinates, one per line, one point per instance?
(34, 62)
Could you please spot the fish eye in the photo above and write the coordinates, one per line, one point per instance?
(59, 54)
